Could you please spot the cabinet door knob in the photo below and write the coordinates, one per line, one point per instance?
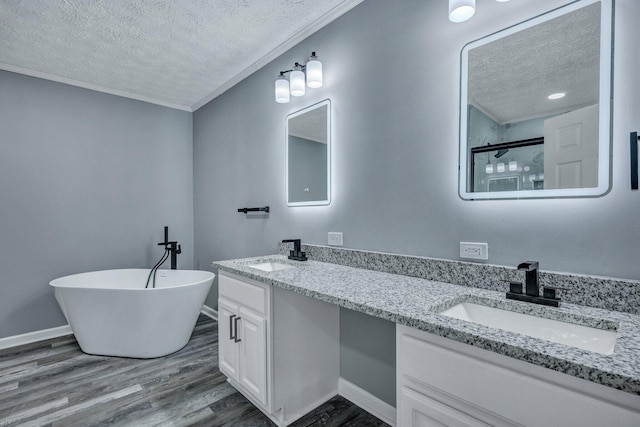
(235, 322)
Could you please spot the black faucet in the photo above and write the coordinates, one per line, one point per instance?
(531, 277)
(173, 247)
(296, 253)
(532, 288)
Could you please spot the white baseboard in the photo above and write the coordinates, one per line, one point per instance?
(31, 337)
(60, 331)
(210, 312)
(367, 401)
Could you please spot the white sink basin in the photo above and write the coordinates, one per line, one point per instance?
(585, 337)
(271, 266)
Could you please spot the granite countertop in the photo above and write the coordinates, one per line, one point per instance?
(416, 302)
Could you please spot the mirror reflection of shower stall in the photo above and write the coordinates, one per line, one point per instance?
(512, 166)
(547, 78)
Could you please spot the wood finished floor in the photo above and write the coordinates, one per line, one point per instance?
(53, 383)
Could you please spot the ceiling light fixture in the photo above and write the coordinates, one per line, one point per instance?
(557, 95)
(461, 10)
(300, 76)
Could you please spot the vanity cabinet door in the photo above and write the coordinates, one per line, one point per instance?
(243, 312)
(228, 353)
(253, 354)
(284, 351)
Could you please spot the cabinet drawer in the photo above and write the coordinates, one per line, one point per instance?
(251, 295)
(504, 388)
(422, 411)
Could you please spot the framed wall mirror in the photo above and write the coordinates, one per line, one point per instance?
(535, 107)
(308, 156)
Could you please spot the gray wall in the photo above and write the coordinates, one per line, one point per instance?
(87, 182)
(392, 73)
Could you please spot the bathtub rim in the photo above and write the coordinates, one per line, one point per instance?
(58, 282)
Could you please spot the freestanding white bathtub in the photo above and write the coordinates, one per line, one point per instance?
(112, 314)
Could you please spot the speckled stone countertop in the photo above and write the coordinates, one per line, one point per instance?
(416, 302)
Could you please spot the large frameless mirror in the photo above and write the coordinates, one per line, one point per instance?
(535, 107)
(308, 156)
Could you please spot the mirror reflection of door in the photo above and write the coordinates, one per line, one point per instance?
(571, 149)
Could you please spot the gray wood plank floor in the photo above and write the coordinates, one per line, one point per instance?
(53, 383)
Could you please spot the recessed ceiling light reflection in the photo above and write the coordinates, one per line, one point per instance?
(557, 95)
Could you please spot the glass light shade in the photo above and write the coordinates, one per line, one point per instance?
(500, 167)
(296, 82)
(488, 168)
(513, 165)
(314, 72)
(461, 10)
(282, 90)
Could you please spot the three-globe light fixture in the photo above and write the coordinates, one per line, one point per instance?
(300, 76)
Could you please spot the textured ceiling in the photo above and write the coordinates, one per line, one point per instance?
(510, 78)
(178, 53)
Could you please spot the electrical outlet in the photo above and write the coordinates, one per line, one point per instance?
(334, 238)
(471, 250)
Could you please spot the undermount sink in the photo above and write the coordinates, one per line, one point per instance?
(271, 266)
(585, 337)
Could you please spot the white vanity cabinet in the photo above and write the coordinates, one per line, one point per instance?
(244, 360)
(280, 349)
(444, 382)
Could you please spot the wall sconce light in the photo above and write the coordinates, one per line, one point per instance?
(300, 76)
(282, 89)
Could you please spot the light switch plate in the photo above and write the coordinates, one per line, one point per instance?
(473, 250)
(334, 238)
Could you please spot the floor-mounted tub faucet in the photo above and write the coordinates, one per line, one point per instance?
(173, 247)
